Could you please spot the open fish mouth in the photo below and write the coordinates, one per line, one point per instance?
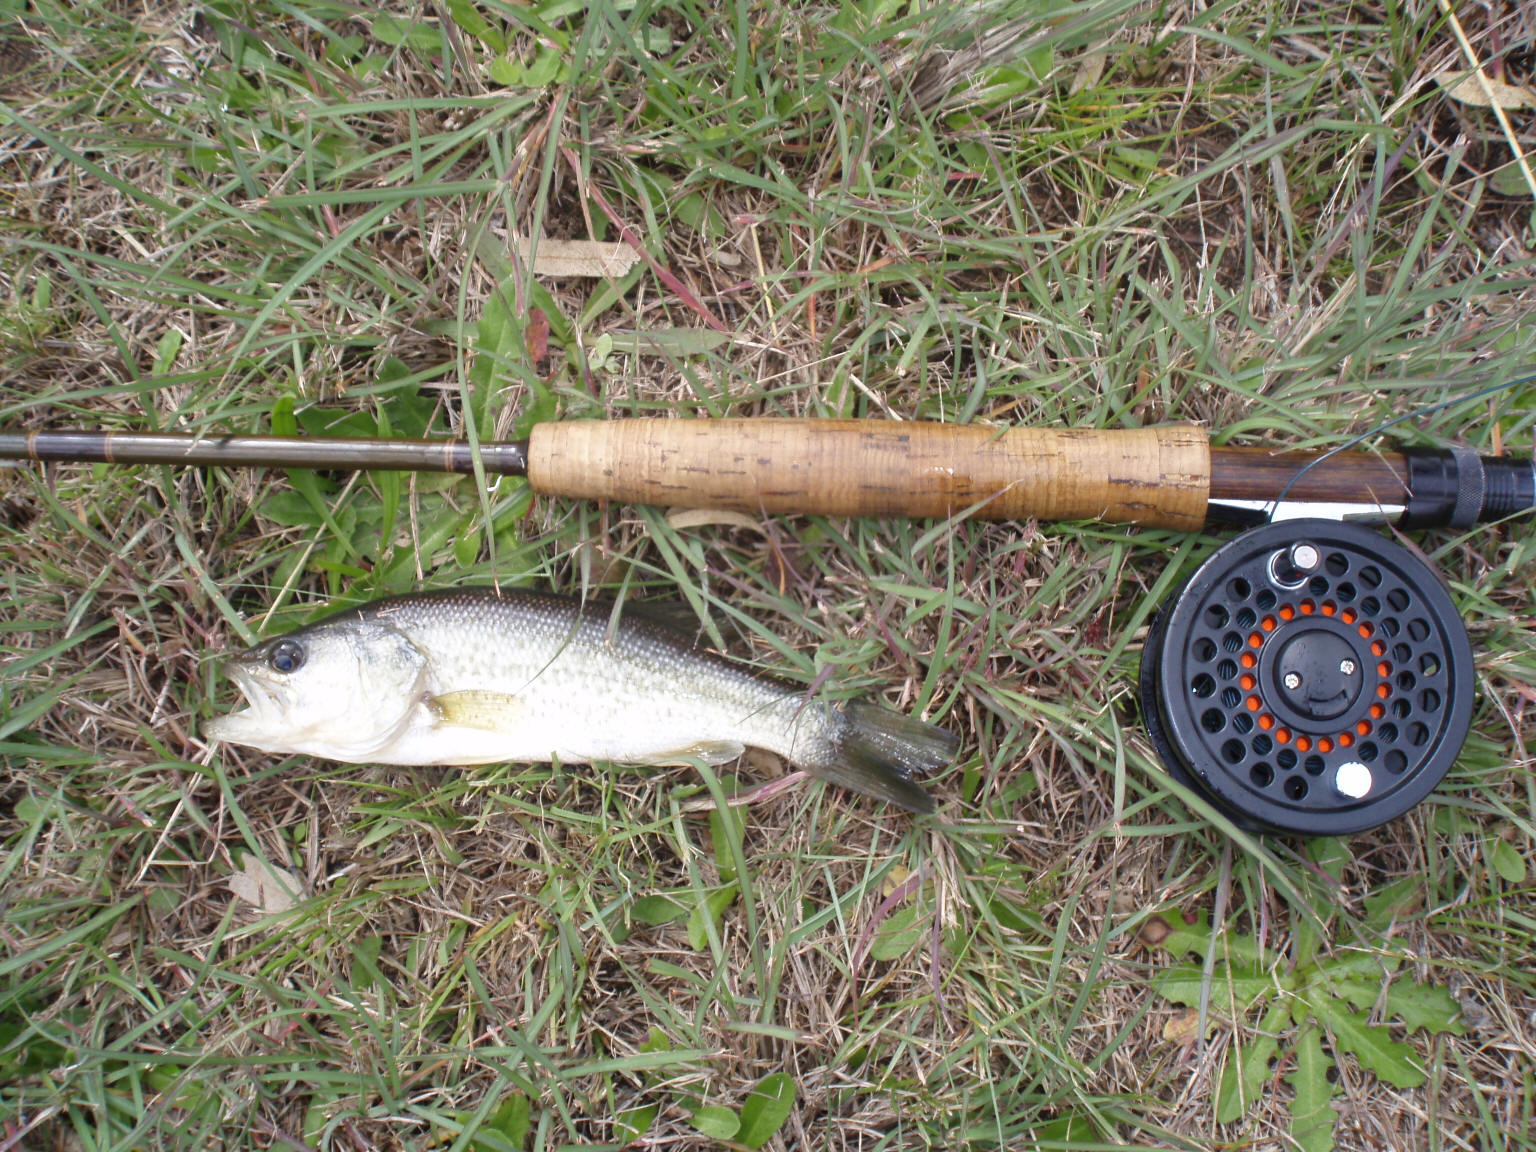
(265, 706)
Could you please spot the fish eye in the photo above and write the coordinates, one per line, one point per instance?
(286, 656)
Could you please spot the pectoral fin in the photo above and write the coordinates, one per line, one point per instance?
(711, 752)
(475, 708)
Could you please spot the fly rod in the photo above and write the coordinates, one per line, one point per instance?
(1311, 677)
(1169, 477)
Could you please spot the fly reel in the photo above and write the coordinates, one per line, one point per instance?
(1312, 678)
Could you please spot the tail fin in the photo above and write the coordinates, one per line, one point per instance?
(878, 750)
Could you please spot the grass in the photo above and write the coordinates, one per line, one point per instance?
(1268, 218)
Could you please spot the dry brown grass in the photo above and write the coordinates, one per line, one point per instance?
(1269, 219)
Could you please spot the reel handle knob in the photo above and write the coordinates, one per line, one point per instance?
(1290, 567)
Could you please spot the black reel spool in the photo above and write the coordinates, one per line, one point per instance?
(1311, 678)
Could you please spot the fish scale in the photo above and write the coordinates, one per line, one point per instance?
(475, 676)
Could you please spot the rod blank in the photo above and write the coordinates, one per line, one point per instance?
(327, 453)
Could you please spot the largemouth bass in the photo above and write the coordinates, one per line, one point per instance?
(475, 677)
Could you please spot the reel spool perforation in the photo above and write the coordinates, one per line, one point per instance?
(1311, 677)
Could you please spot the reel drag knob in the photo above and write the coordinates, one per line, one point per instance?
(1311, 677)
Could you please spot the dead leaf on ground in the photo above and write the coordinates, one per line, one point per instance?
(698, 517)
(591, 259)
(269, 889)
(1090, 70)
(1467, 88)
(1183, 1026)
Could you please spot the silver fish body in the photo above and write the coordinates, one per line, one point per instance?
(473, 677)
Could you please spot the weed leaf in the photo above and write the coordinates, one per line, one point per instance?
(1185, 936)
(1394, 902)
(657, 909)
(765, 1109)
(716, 1122)
(466, 17)
(1372, 1044)
(422, 37)
(1422, 1006)
(1505, 859)
(898, 935)
(1247, 1067)
(507, 1127)
(633, 1123)
(1232, 990)
(1362, 994)
(1312, 1114)
(709, 913)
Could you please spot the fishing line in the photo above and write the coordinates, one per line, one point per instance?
(1416, 414)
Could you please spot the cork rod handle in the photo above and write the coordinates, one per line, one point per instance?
(1156, 476)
